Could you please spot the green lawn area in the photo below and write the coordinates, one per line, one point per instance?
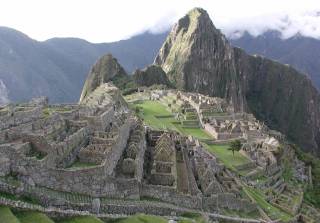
(153, 109)
(32, 217)
(226, 156)
(141, 218)
(83, 219)
(196, 132)
(79, 165)
(272, 212)
(6, 216)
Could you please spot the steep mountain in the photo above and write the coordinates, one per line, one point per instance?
(197, 57)
(301, 52)
(26, 71)
(58, 67)
(150, 75)
(106, 69)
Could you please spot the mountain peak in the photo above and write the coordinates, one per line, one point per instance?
(197, 58)
(186, 56)
(197, 11)
(104, 70)
(193, 20)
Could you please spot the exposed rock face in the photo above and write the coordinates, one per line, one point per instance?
(151, 75)
(106, 69)
(197, 57)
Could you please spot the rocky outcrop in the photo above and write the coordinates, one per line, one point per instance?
(151, 75)
(106, 69)
(197, 57)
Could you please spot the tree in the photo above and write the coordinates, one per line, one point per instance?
(235, 145)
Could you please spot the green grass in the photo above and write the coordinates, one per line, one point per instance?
(196, 132)
(79, 165)
(6, 216)
(82, 219)
(272, 212)
(33, 217)
(226, 156)
(193, 217)
(141, 218)
(150, 112)
(253, 215)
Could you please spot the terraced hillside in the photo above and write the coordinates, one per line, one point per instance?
(272, 191)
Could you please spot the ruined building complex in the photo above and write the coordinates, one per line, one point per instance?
(99, 157)
(70, 156)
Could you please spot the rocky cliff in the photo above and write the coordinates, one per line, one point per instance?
(197, 57)
(150, 75)
(106, 69)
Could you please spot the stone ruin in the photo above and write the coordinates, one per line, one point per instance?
(179, 169)
(97, 156)
(78, 156)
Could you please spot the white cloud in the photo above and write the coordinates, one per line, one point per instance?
(109, 20)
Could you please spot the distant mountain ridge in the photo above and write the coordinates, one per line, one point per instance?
(58, 67)
(303, 53)
(197, 57)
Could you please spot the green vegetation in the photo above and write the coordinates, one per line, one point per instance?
(193, 217)
(141, 218)
(79, 165)
(24, 198)
(32, 217)
(158, 117)
(230, 159)
(50, 110)
(6, 216)
(124, 83)
(82, 219)
(196, 132)
(150, 110)
(235, 146)
(312, 193)
(234, 213)
(271, 211)
(287, 171)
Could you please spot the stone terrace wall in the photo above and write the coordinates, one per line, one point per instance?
(66, 150)
(118, 148)
(193, 187)
(227, 201)
(140, 159)
(101, 121)
(90, 181)
(19, 117)
(210, 204)
(170, 195)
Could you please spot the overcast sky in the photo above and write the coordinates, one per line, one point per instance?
(111, 20)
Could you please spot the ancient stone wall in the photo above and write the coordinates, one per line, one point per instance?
(102, 121)
(169, 194)
(14, 118)
(68, 149)
(118, 148)
(140, 158)
(193, 187)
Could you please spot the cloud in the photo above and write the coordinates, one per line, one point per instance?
(107, 20)
(303, 23)
(4, 99)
